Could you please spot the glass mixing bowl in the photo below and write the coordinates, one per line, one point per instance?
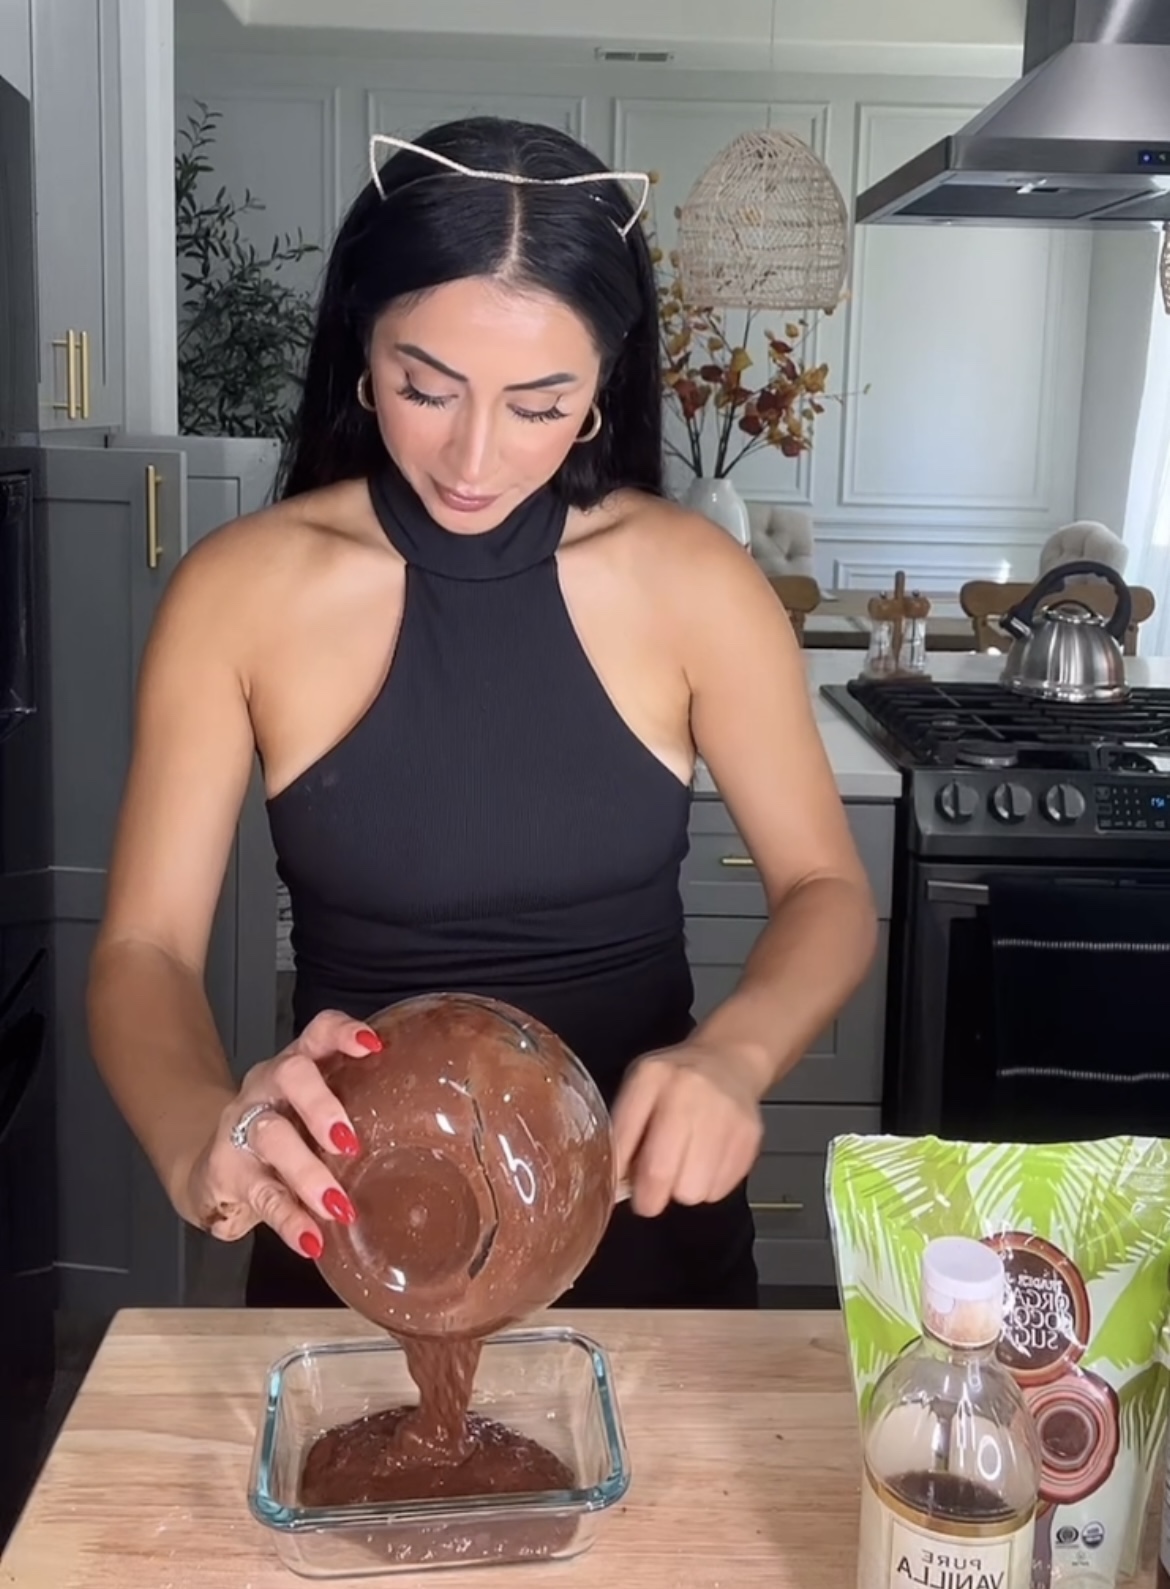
(486, 1174)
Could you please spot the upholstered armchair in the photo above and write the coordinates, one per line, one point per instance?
(1084, 541)
(782, 539)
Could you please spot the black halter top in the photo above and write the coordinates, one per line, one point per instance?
(491, 824)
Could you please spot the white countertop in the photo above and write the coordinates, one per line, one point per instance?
(862, 772)
(967, 667)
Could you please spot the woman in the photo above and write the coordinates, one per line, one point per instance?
(476, 653)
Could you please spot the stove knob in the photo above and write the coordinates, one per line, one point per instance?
(1064, 803)
(957, 802)
(1010, 802)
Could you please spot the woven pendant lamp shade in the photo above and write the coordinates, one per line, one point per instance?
(764, 227)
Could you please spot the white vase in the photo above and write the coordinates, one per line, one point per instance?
(719, 501)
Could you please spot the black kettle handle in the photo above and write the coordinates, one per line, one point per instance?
(1019, 620)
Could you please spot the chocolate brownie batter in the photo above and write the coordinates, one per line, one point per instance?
(437, 1430)
(484, 1183)
(378, 1460)
(436, 1450)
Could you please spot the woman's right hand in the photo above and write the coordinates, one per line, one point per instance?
(278, 1179)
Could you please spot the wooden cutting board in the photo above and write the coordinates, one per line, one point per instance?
(741, 1430)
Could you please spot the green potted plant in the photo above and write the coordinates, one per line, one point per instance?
(243, 331)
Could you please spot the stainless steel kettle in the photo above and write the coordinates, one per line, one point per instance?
(1066, 651)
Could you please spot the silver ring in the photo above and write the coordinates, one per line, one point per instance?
(238, 1136)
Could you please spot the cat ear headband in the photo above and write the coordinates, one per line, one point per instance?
(639, 178)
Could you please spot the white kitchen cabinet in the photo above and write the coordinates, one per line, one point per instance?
(77, 159)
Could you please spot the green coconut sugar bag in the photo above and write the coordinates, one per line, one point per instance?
(1084, 1232)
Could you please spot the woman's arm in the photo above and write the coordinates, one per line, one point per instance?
(753, 724)
(687, 1123)
(151, 1026)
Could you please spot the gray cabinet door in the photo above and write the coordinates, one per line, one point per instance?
(719, 877)
(111, 527)
(837, 1085)
(77, 151)
(227, 476)
(786, 1190)
(844, 1064)
(111, 524)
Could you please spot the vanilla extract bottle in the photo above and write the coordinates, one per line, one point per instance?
(952, 1458)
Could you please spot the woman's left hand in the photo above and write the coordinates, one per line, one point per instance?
(687, 1126)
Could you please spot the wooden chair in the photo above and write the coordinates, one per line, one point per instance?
(799, 596)
(986, 600)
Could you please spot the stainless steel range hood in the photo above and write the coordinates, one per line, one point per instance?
(1083, 139)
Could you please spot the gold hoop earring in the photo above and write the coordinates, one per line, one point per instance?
(594, 429)
(364, 393)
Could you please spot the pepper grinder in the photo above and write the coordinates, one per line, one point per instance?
(897, 642)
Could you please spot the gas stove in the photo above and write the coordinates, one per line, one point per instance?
(990, 774)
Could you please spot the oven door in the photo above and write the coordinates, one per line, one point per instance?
(28, 1231)
(942, 1076)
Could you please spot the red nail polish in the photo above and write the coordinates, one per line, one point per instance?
(339, 1206)
(311, 1244)
(344, 1139)
(370, 1041)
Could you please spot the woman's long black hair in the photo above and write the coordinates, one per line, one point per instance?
(436, 226)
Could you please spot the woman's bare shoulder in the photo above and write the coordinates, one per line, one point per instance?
(284, 537)
(258, 568)
(687, 556)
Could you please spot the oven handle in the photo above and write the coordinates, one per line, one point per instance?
(943, 893)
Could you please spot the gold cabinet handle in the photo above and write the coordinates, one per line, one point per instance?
(153, 545)
(83, 340)
(69, 343)
(777, 1208)
(736, 860)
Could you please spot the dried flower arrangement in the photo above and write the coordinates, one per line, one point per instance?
(703, 372)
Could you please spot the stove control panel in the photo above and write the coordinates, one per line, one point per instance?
(1133, 807)
(962, 806)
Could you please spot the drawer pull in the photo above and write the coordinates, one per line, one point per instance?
(153, 544)
(776, 1208)
(736, 860)
(70, 407)
(940, 892)
(83, 350)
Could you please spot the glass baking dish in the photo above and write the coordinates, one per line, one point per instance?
(549, 1383)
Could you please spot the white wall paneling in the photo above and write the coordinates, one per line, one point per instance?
(282, 143)
(962, 456)
(1121, 303)
(930, 572)
(406, 114)
(859, 554)
(677, 138)
(972, 343)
